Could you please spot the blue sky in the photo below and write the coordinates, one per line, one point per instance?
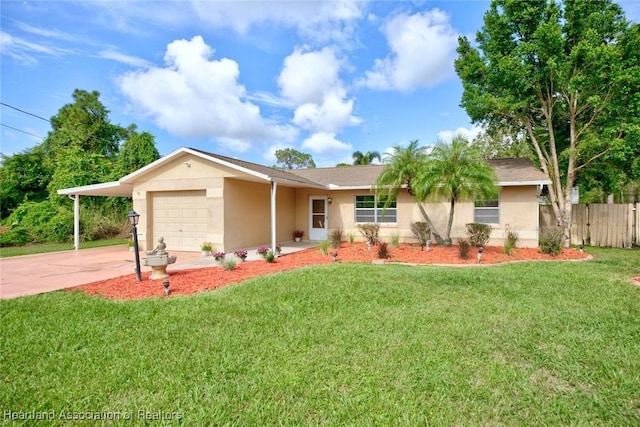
(243, 78)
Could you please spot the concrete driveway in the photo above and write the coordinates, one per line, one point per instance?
(33, 274)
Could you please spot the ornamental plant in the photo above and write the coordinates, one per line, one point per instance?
(219, 256)
(229, 265)
(206, 246)
(263, 251)
(241, 253)
(298, 234)
(479, 234)
(550, 241)
(370, 232)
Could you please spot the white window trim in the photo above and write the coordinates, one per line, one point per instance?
(480, 208)
(378, 213)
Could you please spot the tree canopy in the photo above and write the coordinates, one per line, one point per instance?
(360, 158)
(82, 148)
(288, 158)
(567, 74)
(453, 171)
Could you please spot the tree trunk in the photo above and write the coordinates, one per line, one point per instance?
(434, 232)
(450, 222)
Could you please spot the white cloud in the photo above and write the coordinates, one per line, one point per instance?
(311, 80)
(196, 96)
(321, 21)
(330, 116)
(308, 76)
(324, 143)
(422, 51)
(125, 59)
(27, 52)
(317, 21)
(468, 133)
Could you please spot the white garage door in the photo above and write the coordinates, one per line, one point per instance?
(181, 218)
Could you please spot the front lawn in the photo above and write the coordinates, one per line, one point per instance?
(551, 343)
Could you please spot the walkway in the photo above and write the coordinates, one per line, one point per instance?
(34, 274)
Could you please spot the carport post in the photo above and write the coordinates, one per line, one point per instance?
(274, 189)
(76, 221)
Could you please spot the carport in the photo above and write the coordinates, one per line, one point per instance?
(106, 189)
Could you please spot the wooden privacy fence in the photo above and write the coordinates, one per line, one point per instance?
(597, 224)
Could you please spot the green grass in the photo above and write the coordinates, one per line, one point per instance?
(343, 344)
(9, 251)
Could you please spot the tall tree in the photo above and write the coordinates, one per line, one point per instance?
(136, 152)
(85, 124)
(402, 168)
(289, 158)
(560, 71)
(503, 143)
(367, 158)
(23, 177)
(455, 172)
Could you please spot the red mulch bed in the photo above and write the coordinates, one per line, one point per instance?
(185, 282)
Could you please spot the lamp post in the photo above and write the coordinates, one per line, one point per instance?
(133, 220)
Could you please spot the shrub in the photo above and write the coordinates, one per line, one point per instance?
(270, 257)
(510, 243)
(463, 247)
(383, 250)
(395, 239)
(351, 238)
(96, 226)
(43, 221)
(551, 241)
(370, 232)
(229, 264)
(422, 232)
(479, 234)
(15, 236)
(324, 247)
(336, 238)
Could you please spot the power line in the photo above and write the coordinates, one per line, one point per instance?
(19, 130)
(25, 112)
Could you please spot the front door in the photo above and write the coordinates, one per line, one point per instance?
(318, 218)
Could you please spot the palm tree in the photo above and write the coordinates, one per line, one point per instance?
(402, 167)
(365, 159)
(456, 171)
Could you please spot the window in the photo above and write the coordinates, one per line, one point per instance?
(486, 211)
(369, 208)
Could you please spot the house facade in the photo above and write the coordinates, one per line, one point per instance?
(191, 196)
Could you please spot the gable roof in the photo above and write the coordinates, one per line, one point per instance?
(511, 172)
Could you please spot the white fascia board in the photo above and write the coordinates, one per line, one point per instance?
(105, 188)
(522, 183)
(349, 187)
(294, 183)
(184, 150)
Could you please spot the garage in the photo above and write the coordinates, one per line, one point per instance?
(181, 218)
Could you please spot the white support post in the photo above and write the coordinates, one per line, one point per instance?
(76, 221)
(274, 189)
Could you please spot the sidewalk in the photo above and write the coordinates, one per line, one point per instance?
(34, 274)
